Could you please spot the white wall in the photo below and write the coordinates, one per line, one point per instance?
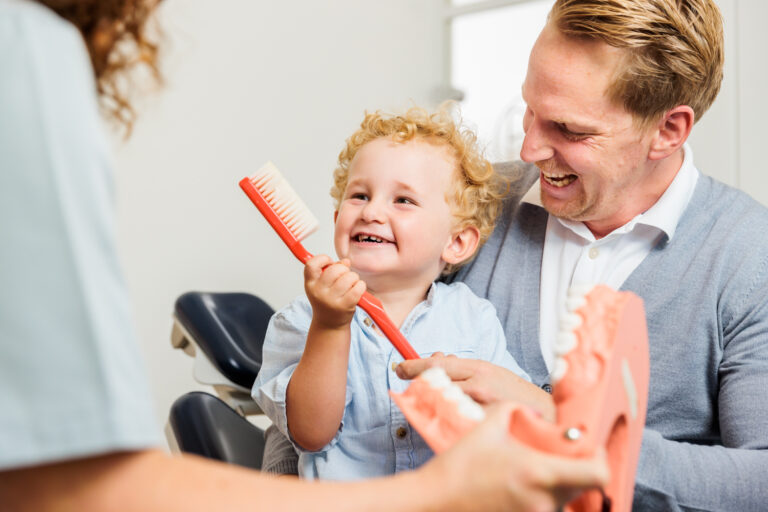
(246, 82)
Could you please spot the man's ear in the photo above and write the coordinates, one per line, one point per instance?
(462, 245)
(672, 131)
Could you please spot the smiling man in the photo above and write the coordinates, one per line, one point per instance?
(610, 194)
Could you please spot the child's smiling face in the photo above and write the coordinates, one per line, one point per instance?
(394, 221)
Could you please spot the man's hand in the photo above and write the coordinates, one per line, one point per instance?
(333, 291)
(485, 382)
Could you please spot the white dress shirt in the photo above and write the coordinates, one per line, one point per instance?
(573, 256)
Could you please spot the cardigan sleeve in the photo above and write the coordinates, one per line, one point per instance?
(728, 473)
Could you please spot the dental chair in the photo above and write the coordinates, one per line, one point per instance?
(224, 332)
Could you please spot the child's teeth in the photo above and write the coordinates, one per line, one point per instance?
(566, 341)
(558, 372)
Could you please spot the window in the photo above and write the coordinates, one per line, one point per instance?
(490, 42)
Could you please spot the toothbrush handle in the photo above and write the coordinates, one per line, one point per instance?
(374, 308)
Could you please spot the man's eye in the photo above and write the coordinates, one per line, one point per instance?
(568, 134)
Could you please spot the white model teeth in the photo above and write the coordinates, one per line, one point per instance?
(579, 290)
(569, 322)
(566, 340)
(558, 372)
(438, 379)
(575, 302)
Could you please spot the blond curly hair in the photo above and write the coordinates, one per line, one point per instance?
(674, 50)
(476, 194)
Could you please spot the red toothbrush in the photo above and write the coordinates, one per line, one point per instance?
(293, 222)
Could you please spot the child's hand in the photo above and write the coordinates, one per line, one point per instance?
(333, 291)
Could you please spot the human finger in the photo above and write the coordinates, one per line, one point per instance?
(572, 475)
(332, 272)
(314, 267)
(357, 291)
(457, 368)
(347, 289)
(412, 368)
(345, 281)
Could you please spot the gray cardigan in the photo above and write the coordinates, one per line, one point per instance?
(706, 300)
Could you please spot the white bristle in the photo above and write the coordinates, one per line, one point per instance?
(281, 197)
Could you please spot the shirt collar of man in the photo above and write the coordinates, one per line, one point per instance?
(664, 215)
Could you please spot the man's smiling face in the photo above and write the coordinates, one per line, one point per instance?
(591, 153)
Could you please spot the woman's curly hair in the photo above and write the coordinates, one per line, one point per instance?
(477, 191)
(115, 35)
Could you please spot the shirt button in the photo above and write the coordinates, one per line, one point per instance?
(367, 321)
(401, 432)
(547, 387)
(594, 253)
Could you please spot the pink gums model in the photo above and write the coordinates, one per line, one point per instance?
(600, 392)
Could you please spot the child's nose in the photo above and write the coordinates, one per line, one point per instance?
(373, 212)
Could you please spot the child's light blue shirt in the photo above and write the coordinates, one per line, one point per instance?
(374, 438)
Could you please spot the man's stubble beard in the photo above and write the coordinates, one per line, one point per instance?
(575, 210)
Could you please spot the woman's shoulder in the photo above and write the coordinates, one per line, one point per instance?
(23, 20)
(42, 51)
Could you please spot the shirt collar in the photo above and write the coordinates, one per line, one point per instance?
(666, 212)
(664, 215)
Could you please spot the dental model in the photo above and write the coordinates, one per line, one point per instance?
(600, 390)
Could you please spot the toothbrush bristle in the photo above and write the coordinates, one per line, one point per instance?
(284, 201)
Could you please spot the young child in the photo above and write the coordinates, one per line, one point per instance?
(414, 199)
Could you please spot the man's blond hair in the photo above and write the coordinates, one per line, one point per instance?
(476, 192)
(674, 50)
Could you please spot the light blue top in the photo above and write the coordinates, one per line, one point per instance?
(71, 380)
(452, 320)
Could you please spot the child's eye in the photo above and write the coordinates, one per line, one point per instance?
(359, 195)
(404, 200)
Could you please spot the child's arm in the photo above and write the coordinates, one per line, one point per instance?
(316, 393)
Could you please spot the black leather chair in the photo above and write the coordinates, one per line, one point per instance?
(225, 333)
